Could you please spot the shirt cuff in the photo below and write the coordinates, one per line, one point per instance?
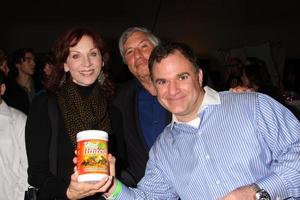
(274, 186)
(125, 193)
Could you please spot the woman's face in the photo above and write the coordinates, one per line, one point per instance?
(84, 62)
(48, 69)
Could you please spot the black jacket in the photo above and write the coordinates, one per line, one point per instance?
(38, 139)
(131, 149)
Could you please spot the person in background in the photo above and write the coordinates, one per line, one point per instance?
(48, 65)
(81, 105)
(136, 115)
(234, 73)
(219, 145)
(48, 61)
(13, 160)
(256, 79)
(22, 87)
(256, 61)
(3, 63)
(264, 72)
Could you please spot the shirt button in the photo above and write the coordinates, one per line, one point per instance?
(218, 182)
(207, 157)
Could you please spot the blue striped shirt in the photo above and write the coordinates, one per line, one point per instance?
(247, 138)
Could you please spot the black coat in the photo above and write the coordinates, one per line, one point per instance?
(38, 137)
(131, 149)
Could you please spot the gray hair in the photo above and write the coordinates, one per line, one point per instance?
(128, 32)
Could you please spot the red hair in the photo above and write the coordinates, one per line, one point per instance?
(61, 50)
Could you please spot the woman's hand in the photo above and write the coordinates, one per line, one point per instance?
(78, 190)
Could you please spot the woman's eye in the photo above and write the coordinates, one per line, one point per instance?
(75, 56)
(94, 54)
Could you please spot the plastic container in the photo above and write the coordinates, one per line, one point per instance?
(92, 163)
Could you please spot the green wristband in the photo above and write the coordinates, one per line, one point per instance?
(116, 192)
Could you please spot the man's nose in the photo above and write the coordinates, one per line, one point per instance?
(173, 88)
(137, 53)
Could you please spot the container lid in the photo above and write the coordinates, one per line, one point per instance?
(92, 134)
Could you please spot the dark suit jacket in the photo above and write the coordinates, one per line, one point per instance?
(131, 149)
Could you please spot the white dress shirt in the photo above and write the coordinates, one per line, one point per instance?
(13, 159)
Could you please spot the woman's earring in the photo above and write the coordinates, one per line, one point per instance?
(101, 77)
(63, 79)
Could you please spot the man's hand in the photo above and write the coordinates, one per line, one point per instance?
(241, 193)
(107, 185)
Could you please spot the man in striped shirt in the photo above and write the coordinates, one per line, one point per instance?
(218, 146)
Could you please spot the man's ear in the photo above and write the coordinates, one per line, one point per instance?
(200, 76)
(2, 88)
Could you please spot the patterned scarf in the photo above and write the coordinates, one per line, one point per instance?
(83, 112)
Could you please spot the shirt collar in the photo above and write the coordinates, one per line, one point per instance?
(211, 97)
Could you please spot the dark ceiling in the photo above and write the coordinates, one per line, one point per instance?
(211, 23)
(250, 11)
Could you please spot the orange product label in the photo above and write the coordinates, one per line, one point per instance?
(92, 157)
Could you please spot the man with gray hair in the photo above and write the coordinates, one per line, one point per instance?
(137, 117)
